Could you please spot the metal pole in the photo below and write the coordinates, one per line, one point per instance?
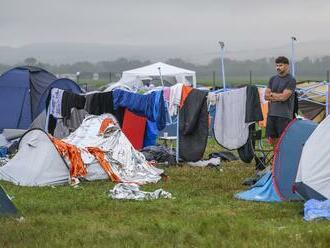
(213, 79)
(222, 54)
(177, 136)
(327, 76)
(250, 77)
(293, 39)
(160, 74)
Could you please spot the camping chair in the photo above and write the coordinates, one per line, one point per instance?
(263, 155)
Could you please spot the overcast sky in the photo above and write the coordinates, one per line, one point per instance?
(242, 24)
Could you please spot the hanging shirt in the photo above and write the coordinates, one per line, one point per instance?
(175, 99)
(56, 102)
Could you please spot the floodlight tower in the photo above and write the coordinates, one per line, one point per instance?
(293, 39)
(222, 54)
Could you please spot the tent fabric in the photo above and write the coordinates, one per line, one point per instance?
(155, 69)
(313, 176)
(23, 94)
(7, 207)
(263, 190)
(287, 156)
(37, 162)
(193, 126)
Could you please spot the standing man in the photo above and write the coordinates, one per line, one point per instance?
(280, 94)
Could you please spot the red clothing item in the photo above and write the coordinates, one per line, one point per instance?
(134, 128)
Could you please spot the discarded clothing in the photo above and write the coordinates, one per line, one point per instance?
(230, 129)
(3, 151)
(315, 209)
(212, 162)
(131, 191)
(160, 154)
(193, 126)
(150, 105)
(253, 110)
(225, 156)
(76, 118)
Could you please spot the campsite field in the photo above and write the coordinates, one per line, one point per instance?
(203, 214)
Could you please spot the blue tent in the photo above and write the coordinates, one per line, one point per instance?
(23, 94)
(278, 185)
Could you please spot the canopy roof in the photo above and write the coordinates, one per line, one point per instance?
(157, 69)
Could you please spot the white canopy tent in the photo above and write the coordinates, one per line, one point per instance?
(159, 70)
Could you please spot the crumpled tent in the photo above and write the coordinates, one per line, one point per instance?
(38, 163)
(154, 70)
(313, 176)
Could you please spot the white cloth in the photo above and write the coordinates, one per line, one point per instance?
(204, 163)
(211, 98)
(131, 191)
(230, 129)
(175, 99)
(56, 103)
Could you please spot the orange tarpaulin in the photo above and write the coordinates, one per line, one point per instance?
(99, 155)
(77, 168)
(185, 93)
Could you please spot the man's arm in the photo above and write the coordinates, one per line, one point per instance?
(267, 94)
(280, 97)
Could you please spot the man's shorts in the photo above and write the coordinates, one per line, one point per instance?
(276, 125)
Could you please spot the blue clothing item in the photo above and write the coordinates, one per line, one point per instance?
(263, 190)
(151, 105)
(314, 209)
(151, 134)
(3, 151)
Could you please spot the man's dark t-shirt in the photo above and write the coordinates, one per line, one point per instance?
(278, 84)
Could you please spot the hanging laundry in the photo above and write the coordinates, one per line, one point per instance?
(71, 100)
(253, 110)
(150, 105)
(134, 127)
(230, 129)
(264, 107)
(193, 126)
(55, 105)
(101, 103)
(175, 99)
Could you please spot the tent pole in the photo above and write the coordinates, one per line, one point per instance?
(293, 39)
(327, 101)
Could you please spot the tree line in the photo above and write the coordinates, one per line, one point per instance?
(307, 68)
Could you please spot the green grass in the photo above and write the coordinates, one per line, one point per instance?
(203, 214)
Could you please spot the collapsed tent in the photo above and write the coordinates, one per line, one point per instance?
(312, 100)
(38, 162)
(131, 77)
(313, 177)
(279, 185)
